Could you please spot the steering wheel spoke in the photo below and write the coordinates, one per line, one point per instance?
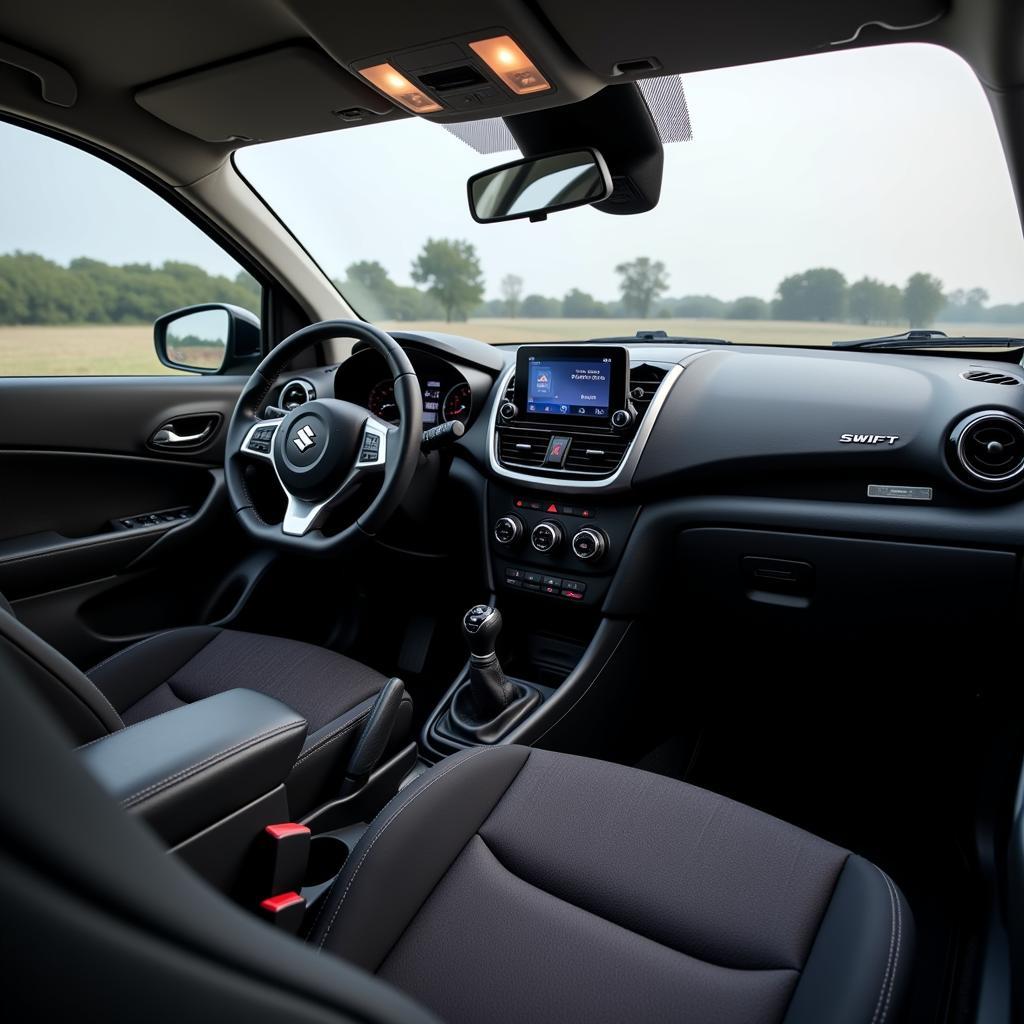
(259, 439)
(301, 515)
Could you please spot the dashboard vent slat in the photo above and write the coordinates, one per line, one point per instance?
(988, 377)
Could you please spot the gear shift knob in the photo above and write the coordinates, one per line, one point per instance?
(481, 626)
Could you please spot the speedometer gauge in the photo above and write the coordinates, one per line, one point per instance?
(381, 401)
(458, 403)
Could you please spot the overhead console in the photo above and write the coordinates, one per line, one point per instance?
(575, 413)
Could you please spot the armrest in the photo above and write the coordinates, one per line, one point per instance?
(185, 769)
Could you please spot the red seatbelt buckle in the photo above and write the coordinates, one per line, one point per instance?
(289, 856)
(285, 911)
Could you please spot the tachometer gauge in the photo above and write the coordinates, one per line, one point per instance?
(458, 403)
(381, 401)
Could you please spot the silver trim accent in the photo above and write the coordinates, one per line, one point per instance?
(300, 515)
(517, 529)
(554, 479)
(302, 383)
(600, 544)
(988, 414)
(557, 536)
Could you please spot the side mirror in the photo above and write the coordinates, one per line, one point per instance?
(539, 185)
(203, 338)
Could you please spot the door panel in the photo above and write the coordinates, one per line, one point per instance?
(104, 539)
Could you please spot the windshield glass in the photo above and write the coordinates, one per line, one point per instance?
(829, 197)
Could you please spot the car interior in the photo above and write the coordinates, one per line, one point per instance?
(371, 674)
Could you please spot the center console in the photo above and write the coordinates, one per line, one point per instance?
(565, 434)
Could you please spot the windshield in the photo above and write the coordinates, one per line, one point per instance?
(820, 198)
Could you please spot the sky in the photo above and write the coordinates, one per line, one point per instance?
(881, 162)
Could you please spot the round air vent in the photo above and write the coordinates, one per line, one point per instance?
(296, 393)
(989, 448)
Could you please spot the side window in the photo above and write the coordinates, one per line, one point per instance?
(90, 258)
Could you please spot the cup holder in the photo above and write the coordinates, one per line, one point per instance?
(327, 856)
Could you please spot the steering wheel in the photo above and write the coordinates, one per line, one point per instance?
(323, 450)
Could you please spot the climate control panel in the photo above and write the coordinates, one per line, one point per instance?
(559, 548)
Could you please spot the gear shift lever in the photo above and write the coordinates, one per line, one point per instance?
(491, 691)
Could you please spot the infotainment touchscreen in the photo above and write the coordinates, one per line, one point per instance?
(571, 382)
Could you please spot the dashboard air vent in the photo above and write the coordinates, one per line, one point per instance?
(595, 452)
(522, 446)
(987, 377)
(989, 446)
(296, 393)
(645, 378)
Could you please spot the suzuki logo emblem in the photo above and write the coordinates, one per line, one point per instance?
(304, 439)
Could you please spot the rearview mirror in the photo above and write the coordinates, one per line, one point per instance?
(201, 338)
(539, 185)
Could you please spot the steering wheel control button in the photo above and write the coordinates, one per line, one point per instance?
(558, 448)
(546, 536)
(508, 529)
(260, 440)
(371, 448)
(589, 544)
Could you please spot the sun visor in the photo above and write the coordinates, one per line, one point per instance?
(278, 94)
(652, 36)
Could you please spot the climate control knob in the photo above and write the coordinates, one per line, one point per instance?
(508, 529)
(546, 536)
(589, 544)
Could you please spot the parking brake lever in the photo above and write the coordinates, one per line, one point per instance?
(373, 740)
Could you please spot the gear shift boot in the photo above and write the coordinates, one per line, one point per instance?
(463, 721)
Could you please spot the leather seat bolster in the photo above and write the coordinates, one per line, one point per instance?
(187, 768)
(849, 977)
(413, 842)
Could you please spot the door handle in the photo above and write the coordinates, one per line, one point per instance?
(183, 433)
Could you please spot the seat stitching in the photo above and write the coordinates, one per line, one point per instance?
(321, 743)
(178, 776)
(384, 828)
(895, 897)
(892, 942)
(139, 643)
(100, 739)
(625, 927)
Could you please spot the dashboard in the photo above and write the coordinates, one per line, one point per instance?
(759, 477)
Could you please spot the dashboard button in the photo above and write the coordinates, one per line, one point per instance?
(552, 581)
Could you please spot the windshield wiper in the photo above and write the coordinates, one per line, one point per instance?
(911, 340)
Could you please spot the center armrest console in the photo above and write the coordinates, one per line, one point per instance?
(187, 769)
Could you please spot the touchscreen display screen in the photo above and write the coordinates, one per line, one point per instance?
(569, 386)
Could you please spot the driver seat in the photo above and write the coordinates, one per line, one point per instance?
(333, 693)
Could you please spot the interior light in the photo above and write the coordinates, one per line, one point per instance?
(504, 57)
(399, 88)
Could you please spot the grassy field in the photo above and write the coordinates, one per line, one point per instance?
(98, 349)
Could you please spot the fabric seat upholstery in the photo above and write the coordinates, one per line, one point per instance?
(333, 693)
(511, 884)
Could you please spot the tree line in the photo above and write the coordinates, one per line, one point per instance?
(449, 285)
(453, 289)
(35, 290)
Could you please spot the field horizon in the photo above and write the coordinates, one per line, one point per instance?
(127, 349)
